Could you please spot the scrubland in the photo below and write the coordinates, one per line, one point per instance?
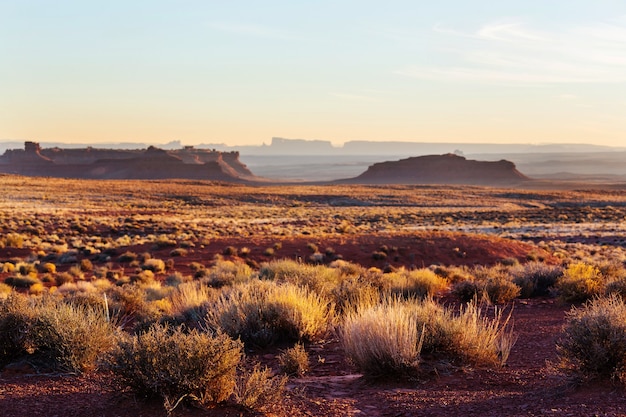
(201, 298)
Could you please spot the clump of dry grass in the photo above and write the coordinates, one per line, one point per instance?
(416, 283)
(262, 312)
(318, 278)
(383, 339)
(593, 342)
(227, 273)
(54, 334)
(389, 337)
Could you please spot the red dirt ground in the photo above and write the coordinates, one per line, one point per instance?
(420, 249)
(526, 387)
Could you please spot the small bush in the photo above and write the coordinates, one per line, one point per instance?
(229, 251)
(294, 361)
(535, 279)
(174, 365)
(19, 281)
(227, 273)
(5, 290)
(127, 257)
(318, 278)
(258, 389)
(154, 265)
(580, 282)
(467, 290)
(593, 343)
(417, 283)
(179, 252)
(500, 290)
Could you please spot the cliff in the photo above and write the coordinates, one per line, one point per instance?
(151, 163)
(440, 169)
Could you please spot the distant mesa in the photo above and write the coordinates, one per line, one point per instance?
(440, 169)
(150, 163)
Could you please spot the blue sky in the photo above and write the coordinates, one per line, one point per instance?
(240, 72)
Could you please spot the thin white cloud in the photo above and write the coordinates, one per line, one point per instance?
(511, 52)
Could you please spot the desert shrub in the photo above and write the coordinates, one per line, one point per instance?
(617, 287)
(481, 340)
(383, 339)
(467, 290)
(417, 283)
(127, 257)
(175, 365)
(500, 290)
(19, 281)
(154, 265)
(54, 334)
(229, 251)
(190, 300)
(535, 279)
(76, 272)
(15, 316)
(356, 292)
(379, 255)
(63, 278)
(48, 267)
(318, 278)
(8, 267)
(5, 290)
(176, 278)
(163, 241)
(128, 302)
(179, 252)
(14, 240)
(593, 341)
(26, 268)
(294, 361)
(258, 389)
(262, 313)
(377, 338)
(227, 273)
(86, 265)
(612, 270)
(579, 282)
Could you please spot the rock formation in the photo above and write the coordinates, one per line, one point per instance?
(151, 163)
(440, 169)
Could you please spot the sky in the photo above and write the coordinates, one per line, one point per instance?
(242, 72)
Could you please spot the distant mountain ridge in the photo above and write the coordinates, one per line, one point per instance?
(282, 146)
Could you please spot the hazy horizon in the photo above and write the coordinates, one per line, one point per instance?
(515, 72)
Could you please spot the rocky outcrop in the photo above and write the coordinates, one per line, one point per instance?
(151, 163)
(440, 169)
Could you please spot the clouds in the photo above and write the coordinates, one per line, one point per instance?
(512, 52)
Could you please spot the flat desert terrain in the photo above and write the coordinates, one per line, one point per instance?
(175, 253)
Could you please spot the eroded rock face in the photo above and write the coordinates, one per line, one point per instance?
(440, 169)
(151, 163)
